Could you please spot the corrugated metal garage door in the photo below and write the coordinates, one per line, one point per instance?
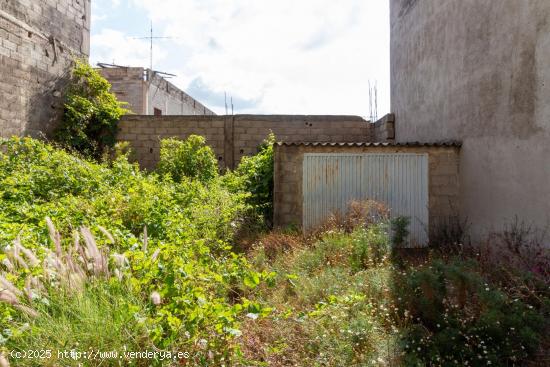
(331, 181)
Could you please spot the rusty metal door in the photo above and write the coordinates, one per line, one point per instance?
(399, 180)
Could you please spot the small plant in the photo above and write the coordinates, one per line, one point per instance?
(190, 158)
(449, 234)
(400, 230)
(91, 113)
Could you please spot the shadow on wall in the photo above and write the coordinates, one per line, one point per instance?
(45, 105)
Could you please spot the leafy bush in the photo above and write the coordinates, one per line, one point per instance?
(175, 237)
(254, 175)
(91, 113)
(400, 230)
(190, 158)
(462, 320)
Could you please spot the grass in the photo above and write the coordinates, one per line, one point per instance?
(102, 318)
(345, 298)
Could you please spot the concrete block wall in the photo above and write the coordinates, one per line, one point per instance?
(384, 129)
(232, 137)
(170, 99)
(128, 84)
(144, 91)
(443, 186)
(38, 40)
(145, 132)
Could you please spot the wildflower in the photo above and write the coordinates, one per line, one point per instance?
(155, 298)
(203, 343)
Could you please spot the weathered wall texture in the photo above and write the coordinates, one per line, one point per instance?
(145, 90)
(232, 137)
(443, 178)
(38, 40)
(129, 85)
(479, 72)
(384, 129)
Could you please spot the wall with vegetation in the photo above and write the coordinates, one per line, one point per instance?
(233, 137)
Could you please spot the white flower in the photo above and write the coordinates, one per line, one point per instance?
(155, 298)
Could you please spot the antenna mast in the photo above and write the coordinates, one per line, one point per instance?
(151, 38)
(151, 50)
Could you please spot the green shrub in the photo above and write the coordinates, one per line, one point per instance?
(190, 158)
(184, 254)
(460, 319)
(254, 175)
(342, 301)
(400, 230)
(91, 113)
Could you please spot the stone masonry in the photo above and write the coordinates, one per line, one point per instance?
(38, 43)
(232, 137)
(147, 91)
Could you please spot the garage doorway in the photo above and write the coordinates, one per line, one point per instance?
(399, 180)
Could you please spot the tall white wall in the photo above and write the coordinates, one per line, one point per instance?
(479, 71)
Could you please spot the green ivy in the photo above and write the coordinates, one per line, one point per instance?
(91, 113)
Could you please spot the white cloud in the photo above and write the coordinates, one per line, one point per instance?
(111, 46)
(288, 56)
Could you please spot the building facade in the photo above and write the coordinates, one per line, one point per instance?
(479, 72)
(147, 92)
(38, 43)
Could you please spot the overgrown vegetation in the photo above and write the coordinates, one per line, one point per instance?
(91, 113)
(345, 298)
(191, 158)
(105, 257)
(174, 238)
(254, 176)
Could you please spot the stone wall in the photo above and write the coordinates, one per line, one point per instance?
(384, 129)
(443, 172)
(38, 40)
(129, 85)
(146, 91)
(478, 72)
(232, 137)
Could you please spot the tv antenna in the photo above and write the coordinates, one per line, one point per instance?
(151, 38)
(373, 101)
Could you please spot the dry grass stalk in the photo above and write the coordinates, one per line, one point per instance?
(145, 239)
(358, 214)
(107, 234)
(72, 269)
(54, 236)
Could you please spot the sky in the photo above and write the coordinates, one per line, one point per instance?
(270, 56)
